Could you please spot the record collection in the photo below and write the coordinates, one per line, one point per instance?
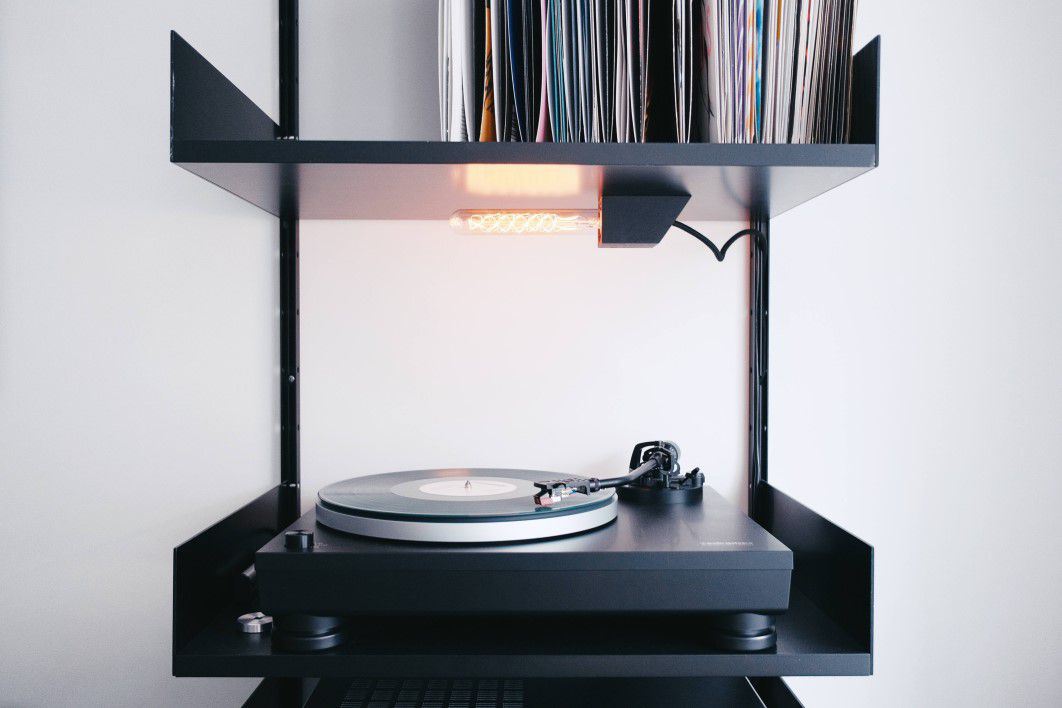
(725, 71)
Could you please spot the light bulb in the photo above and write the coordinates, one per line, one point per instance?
(517, 221)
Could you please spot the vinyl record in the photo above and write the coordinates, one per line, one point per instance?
(458, 506)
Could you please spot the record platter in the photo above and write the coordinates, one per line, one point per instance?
(518, 545)
(458, 506)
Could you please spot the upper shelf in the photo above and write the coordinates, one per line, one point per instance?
(222, 136)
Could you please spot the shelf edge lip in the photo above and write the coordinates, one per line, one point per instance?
(635, 156)
(194, 665)
(838, 526)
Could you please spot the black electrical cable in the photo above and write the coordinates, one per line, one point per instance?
(720, 253)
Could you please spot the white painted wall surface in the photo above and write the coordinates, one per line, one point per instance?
(915, 396)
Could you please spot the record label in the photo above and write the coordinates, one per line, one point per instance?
(475, 487)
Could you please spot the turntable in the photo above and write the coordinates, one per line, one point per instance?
(517, 544)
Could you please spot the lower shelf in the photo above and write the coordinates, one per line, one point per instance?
(809, 644)
(523, 693)
(826, 632)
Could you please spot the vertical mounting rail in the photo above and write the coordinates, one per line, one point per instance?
(288, 692)
(759, 270)
(289, 274)
(289, 68)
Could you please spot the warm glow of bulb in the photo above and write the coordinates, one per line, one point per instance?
(523, 180)
(516, 221)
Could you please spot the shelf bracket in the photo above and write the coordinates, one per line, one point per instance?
(204, 105)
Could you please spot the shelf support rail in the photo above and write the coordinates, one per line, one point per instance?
(759, 271)
(289, 273)
(289, 691)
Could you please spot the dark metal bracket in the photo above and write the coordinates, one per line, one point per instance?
(204, 105)
(774, 692)
(205, 566)
(759, 273)
(289, 269)
(831, 568)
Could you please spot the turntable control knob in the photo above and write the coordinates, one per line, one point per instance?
(298, 540)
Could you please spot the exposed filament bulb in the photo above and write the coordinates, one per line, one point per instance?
(513, 221)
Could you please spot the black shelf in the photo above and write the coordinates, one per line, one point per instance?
(221, 136)
(809, 644)
(825, 632)
(540, 693)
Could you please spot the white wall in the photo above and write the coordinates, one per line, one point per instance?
(916, 393)
(136, 344)
(914, 335)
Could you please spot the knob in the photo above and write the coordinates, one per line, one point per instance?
(298, 540)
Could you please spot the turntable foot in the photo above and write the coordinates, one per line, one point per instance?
(306, 633)
(742, 631)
